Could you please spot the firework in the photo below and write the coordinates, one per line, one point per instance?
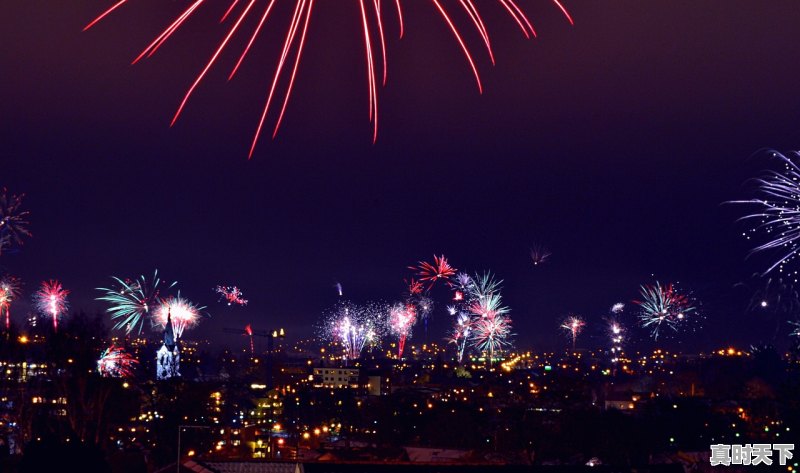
(796, 331)
(663, 306)
(539, 254)
(9, 290)
(231, 295)
(414, 287)
(132, 300)
(776, 212)
(573, 326)
(617, 308)
(616, 336)
(248, 330)
(402, 318)
(183, 314)
(13, 220)
(115, 362)
(372, 28)
(462, 282)
(51, 300)
(354, 327)
(772, 294)
(461, 285)
(338, 287)
(484, 285)
(488, 306)
(491, 333)
(423, 305)
(460, 333)
(440, 269)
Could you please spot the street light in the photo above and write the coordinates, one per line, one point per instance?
(180, 429)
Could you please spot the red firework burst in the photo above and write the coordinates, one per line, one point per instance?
(440, 269)
(372, 28)
(402, 318)
(231, 295)
(414, 287)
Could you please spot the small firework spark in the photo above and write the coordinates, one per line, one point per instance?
(539, 254)
(777, 212)
(183, 314)
(13, 220)
(424, 306)
(231, 295)
(115, 362)
(51, 300)
(772, 294)
(663, 306)
(372, 18)
(573, 326)
(402, 318)
(617, 308)
(9, 291)
(132, 300)
(440, 269)
(339, 290)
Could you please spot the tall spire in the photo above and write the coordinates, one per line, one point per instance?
(169, 333)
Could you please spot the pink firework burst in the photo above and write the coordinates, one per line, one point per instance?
(51, 300)
(402, 318)
(372, 27)
(440, 269)
(182, 313)
(231, 295)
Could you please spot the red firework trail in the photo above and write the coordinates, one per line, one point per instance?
(372, 25)
(248, 330)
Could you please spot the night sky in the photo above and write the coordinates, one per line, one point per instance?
(613, 143)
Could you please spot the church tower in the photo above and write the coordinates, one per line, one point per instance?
(168, 358)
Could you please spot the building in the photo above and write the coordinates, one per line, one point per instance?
(168, 357)
(336, 377)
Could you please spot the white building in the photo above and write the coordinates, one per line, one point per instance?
(336, 377)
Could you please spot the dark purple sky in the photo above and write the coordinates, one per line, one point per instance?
(612, 142)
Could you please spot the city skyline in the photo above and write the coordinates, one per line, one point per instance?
(429, 236)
